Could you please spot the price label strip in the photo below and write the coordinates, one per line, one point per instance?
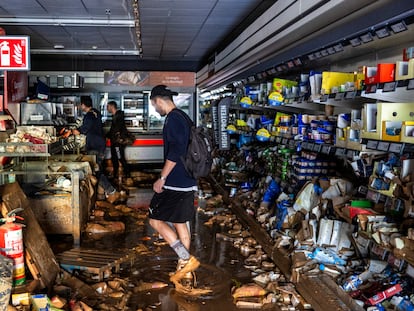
(340, 152)
(372, 144)
(383, 146)
(395, 148)
(339, 96)
(389, 86)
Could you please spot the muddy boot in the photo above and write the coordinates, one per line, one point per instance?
(189, 279)
(179, 279)
(187, 267)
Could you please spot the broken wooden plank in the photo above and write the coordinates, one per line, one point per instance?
(34, 239)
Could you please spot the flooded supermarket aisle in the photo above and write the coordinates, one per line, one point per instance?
(222, 265)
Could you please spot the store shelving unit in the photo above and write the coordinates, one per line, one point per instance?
(320, 290)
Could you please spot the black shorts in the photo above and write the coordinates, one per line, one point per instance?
(172, 206)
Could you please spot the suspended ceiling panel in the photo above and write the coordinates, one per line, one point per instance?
(180, 33)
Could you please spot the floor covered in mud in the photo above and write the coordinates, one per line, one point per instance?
(222, 265)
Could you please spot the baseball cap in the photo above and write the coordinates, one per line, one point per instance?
(162, 90)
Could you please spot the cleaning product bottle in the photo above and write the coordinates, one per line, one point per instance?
(355, 281)
(329, 270)
(402, 303)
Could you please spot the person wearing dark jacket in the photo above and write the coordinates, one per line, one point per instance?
(95, 143)
(172, 206)
(118, 130)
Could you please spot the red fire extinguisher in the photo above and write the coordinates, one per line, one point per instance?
(11, 245)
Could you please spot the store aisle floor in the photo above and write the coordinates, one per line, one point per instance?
(222, 266)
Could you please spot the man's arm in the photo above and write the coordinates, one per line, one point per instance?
(166, 170)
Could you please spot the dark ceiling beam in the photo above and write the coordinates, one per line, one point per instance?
(101, 63)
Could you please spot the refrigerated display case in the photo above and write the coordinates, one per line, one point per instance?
(135, 107)
(142, 120)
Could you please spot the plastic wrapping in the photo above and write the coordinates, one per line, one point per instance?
(6, 281)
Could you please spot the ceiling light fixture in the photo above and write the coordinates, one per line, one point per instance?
(84, 52)
(75, 22)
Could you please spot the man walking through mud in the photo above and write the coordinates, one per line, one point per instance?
(173, 200)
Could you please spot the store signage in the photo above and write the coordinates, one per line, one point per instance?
(214, 112)
(16, 87)
(14, 53)
(150, 78)
(223, 116)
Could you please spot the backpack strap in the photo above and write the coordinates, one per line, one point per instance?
(185, 116)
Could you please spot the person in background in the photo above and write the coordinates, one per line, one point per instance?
(117, 130)
(95, 144)
(172, 205)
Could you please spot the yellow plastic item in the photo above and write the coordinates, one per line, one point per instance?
(278, 84)
(275, 99)
(246, 102)
(279, 116)
(335, 80)
(231, 129)
(262, 135)
(241, 122)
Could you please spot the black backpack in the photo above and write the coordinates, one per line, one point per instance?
(198, 159)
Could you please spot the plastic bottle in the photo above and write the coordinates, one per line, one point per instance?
(355, 281)
(402, 304)
(12, 177)
(329, 270)
(326, 257)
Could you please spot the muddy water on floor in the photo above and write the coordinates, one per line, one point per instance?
(222, 265)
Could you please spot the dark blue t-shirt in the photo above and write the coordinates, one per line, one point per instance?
(176, 133)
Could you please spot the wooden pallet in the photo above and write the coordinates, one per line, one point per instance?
(94, 261)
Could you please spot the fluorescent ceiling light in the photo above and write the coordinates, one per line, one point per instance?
(84, 52)
(80, 22)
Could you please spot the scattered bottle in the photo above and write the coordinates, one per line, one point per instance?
(355, 281)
